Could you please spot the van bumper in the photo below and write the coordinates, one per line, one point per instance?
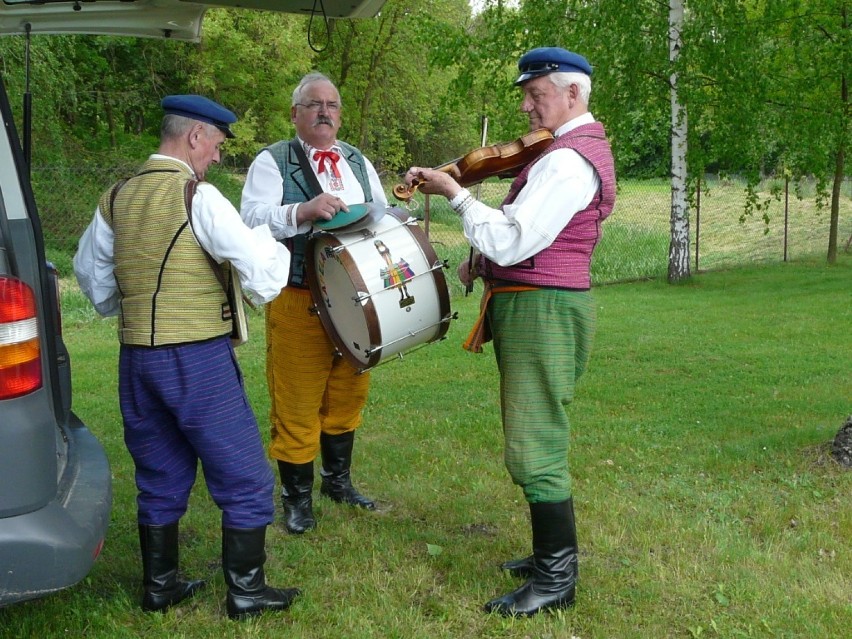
(55, 546)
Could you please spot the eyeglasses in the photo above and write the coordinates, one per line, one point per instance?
(316, 106)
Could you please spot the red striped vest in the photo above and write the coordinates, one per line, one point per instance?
(566, 262)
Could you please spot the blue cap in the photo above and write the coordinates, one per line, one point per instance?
(197, 107)
(546, 60)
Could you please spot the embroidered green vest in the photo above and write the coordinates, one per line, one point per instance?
(169, 293)
(296, 189)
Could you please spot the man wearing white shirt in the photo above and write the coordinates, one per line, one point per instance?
(535, 260)
(149, 256)
(316, 395)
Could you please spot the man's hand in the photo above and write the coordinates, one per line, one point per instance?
(467, 274)
(433, 182)
(323, 207)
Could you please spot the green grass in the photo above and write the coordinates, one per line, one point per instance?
(707, 502)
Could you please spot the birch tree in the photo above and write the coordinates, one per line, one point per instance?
(679, 242)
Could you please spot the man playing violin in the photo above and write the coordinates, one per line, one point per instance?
(535, 259)
(316, 396)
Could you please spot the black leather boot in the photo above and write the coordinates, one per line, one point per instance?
(519, 567)
(243, 556)
(336, 477)
(162, 588)
(523, 568)
(297, 484)
(554, 572)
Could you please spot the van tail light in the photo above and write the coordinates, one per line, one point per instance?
(20, 352)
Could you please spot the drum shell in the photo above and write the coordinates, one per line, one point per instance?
(379, 291)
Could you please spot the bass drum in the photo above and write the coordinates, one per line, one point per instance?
(380, 291)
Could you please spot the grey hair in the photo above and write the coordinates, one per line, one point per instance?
(174, 126)
(564, 79)
(310, 78)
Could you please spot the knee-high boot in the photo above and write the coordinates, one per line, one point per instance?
(297, 484)
(554, 571)
(243, 556)
(524, 567)
(161, 586)
(336, 474)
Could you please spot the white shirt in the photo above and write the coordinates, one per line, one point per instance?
(264, 190)
(559, 185)
(263, 264)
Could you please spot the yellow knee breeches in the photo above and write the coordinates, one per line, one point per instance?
(311, 389)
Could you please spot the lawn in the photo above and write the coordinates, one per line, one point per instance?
(707, 502)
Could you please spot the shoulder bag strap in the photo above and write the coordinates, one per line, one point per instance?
(189, 193)
(114, 193)
(231, 285)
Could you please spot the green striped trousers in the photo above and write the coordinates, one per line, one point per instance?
(542, 341)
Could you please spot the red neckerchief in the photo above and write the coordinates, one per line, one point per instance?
(331, 157)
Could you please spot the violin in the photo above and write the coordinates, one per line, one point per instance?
(498, 160)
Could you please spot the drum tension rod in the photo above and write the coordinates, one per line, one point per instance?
(408, 335)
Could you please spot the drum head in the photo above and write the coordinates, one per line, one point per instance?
(358, 215)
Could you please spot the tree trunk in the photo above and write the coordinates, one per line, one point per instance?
(380, 47)
(839, 164)
(110, 117)
(835, 207)
(679, 243)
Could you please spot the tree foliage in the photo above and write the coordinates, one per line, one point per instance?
(394, 90)
(765, 83)
(251, 62)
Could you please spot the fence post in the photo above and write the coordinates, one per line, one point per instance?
(697, 220)
(786, 211)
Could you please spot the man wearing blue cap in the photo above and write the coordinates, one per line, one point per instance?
(152, 255)
(535, 260)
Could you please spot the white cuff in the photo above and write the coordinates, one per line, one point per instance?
(460, 197)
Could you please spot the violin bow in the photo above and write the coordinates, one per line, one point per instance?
(468, 289)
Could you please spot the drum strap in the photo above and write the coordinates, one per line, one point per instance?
(310, 176)
(314, 186)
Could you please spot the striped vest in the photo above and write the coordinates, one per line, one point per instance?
(297, 189)
(566, 262)
(169, 293)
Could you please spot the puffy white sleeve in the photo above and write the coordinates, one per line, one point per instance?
(94, 266)
(262, 262)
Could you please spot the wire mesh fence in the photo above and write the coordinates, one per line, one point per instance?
(792, 224)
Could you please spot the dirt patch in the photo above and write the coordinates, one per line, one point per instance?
(841, 448)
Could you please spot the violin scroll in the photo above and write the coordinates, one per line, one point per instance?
(404, 192)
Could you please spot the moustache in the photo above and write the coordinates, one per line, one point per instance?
(323, 119)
